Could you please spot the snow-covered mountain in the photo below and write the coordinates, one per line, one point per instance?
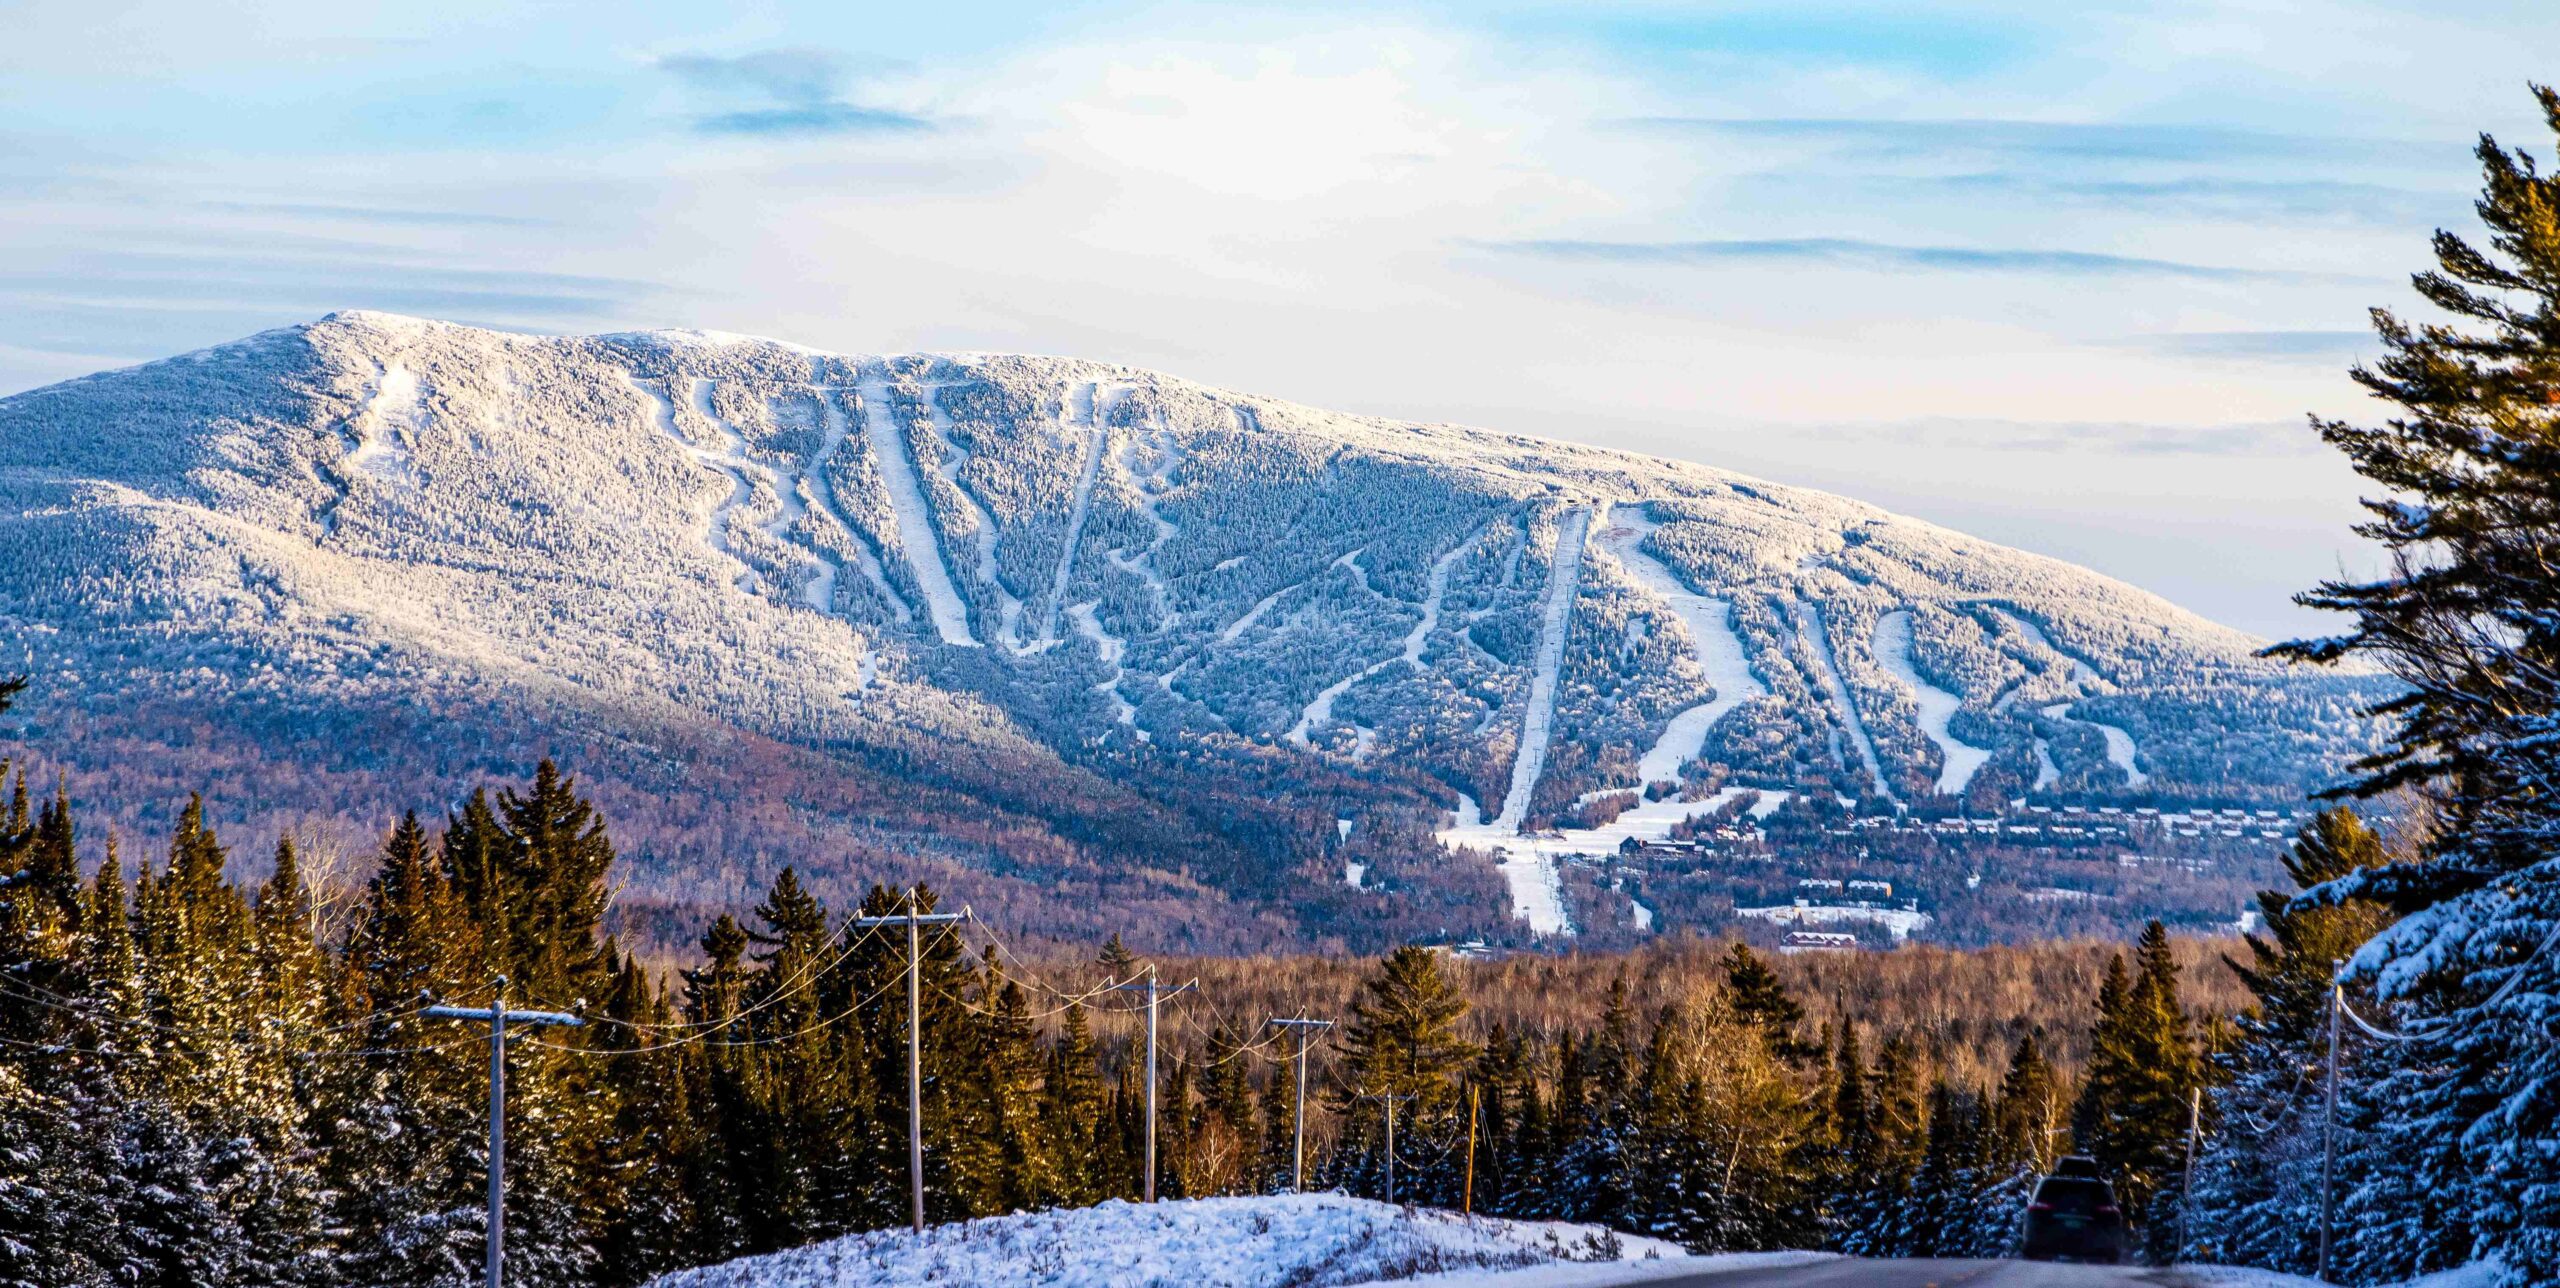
(1035, 620)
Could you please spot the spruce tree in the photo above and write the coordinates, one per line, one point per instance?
(2468, 618)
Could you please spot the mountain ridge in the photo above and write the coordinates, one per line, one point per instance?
(1082, 570)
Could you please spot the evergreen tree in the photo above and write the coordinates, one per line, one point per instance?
(2469, 619)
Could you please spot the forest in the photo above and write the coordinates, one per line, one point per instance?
(212, 1084)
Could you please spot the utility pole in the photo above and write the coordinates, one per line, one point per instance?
(1391, 1102)
(912, 918)
(2329, 1123)
(1155, 993)
(1298, 1152)
(1468, 1203)
(496, 1015)
(2187, 1182)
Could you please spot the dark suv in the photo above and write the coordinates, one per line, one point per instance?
(2073, 1217)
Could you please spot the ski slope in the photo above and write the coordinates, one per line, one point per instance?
(1083, 505)
(1826, 665)
(1564, 578)
(2120, 747)
(822, 497)
(916, 536)
(1962, 760)
(1711, 638)
(982, 525)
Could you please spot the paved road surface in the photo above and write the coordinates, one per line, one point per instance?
(1855, 1272)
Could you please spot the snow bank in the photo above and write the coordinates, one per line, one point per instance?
(2479, 1274)
(1308, 1241)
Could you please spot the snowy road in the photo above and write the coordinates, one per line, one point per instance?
(1856, 1272)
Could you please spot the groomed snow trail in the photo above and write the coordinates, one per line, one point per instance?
(1564, 578)
(1094, 412)
(2120, 748)
(1112, 648)
(1711, 638)
(390, 421)
(916, 537)
(1826, 664)
(1962, 760)
(982, 524)
(715, 532)
(822, 494)
(1158, 477)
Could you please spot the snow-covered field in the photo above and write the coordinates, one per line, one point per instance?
(1305, 1241)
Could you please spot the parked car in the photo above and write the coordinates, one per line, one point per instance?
(2074, 1217)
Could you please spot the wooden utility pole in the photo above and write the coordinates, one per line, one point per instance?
(1155, 993)
(912, 918)
(2187, 1182)
(1468, 1204)
(1298, 1152)
(496, 1015)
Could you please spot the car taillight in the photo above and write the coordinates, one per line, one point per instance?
(2106, 1209)
(2039, 1207)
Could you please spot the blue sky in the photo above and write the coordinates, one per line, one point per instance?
(2067, 276)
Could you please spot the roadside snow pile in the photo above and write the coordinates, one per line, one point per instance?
(2479, 1274)
(1305, 1241)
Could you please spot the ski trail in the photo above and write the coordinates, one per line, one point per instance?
(1008, 608)
(2080, 669)
(822, 494)
(1112, 648)
(1155, 479)
(1962, 760)
(916, 536)
(2047, 772)
(1254, 614)
(715, 533)
(2120, 748)
(820, 592)
(1827, 666)
(1319, 710)
(1093, 414)
(1711, 638)
(1564, 577)
(390, 421)
(1435, 591)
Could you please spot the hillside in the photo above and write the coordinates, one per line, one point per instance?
(1087, 643)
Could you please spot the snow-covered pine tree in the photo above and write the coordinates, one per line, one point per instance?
(2256, 1200)
(2469, 619)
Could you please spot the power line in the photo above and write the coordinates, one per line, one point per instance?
(1298, 1150)
(1155, 996)
(914, 917)
(496, 1015)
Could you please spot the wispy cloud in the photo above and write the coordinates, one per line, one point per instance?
(380, 215)
(1846, 252)
(792, 91)
(1887, 139)
(2259, 346)
(2117, 438)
